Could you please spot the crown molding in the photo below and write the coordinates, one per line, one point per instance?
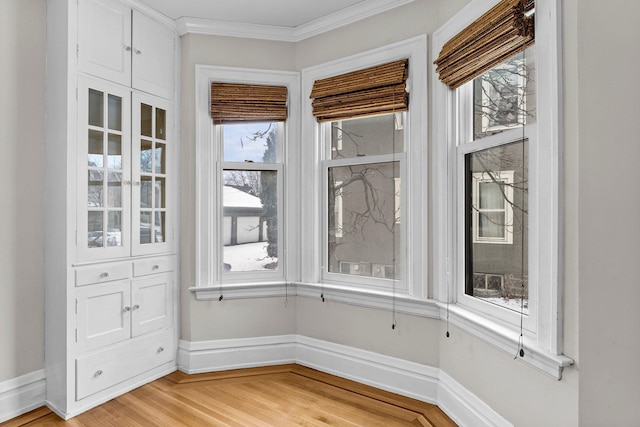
(357, 12)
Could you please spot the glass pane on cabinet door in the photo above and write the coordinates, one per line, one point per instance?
(161, 157)
(95, 228)
(160, 191)
(114, 198)
(146, 156)
(96, 108)
(114, 161)
(95, 197)
(146, 118)
(146, 192)
(115, 112)
(159, 227)
(95, 149)
(161, 124)
(114, 229)
(145, 227)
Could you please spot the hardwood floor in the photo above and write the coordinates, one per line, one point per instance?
(286, 395)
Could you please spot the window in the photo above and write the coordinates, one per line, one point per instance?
(364, 216)
(363, 168)
(251, 183)
(497, 249)
(242, 191)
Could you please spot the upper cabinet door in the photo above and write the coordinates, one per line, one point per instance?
(153, 56)
(104, 40)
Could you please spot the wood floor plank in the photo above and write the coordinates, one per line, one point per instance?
(285, 395)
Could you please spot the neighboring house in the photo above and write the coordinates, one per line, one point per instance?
(243, 221)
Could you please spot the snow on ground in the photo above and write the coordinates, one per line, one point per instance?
(247, 257)
(511, 304)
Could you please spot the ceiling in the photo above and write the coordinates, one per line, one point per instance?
(283, 19)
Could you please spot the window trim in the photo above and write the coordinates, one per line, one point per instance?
(545, 346)
(209, 165)
(416, 189)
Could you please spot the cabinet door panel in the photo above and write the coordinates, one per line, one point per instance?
(104, 39)
(104, 172)
(153, 56)
(151, 304)
(104, 315)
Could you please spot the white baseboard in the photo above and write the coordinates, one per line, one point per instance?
(464, 407)
(21, 395)
(410, 379)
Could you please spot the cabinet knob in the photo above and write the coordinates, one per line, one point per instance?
(135, 307)
(127, 48)
(160, 349)
(104, 275)
(137, 51)
(155, 267)
(126, 309)
(98, 373)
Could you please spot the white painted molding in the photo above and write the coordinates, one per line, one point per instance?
(464, 407)
(410, 379)
(357, 12)
(22, 394)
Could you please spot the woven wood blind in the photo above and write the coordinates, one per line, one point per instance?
(375, 90)
(233, 103)
(502, 32)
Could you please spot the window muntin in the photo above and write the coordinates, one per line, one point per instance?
(364, 235)
(251, 178)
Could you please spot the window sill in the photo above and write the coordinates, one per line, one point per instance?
(505, 338)
(382, 300)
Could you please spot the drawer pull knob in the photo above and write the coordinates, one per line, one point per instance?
(104, 275)
(127, 48)
(126, 309)
(155, 267)
(160, 349)
(98, 373)
(135, 307)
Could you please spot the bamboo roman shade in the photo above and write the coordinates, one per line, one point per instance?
(505, 30)
(233, 103)
(375, 90)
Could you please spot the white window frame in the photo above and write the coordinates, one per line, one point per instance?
(210, 280)
(412, 284)
(543, 341)
(505, 177)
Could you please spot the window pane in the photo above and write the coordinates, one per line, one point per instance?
(159, 227)
(161, 124)
(364, 220)
(95, 188)
(497, 225)
(114, 161)
(145, 120)
(96, 108)
(253, 142)
(146, 192)
(145, 227)
(114, 230)
(160, 192)
(146, 156)
(114, 198)
(367, 136)
(96, 149)
(95, 229)
(504, 97)
(161, 158)
(115, 112)
(250, 220)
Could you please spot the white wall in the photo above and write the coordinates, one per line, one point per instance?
(22, 67)
(609, 211)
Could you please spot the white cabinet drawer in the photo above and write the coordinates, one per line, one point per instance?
(102, 273)
(144, 267)
(98, 371)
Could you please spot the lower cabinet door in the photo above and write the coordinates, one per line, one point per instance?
(102, 369)
(151, 304)
(104, 316)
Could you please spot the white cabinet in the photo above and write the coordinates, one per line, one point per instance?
(125, 46)
(125, 152)
(112, 312)
(111, 191)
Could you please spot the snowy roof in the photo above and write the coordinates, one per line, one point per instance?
(234, 198)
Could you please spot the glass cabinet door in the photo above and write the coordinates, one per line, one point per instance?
(104, 191)
(151, 135)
